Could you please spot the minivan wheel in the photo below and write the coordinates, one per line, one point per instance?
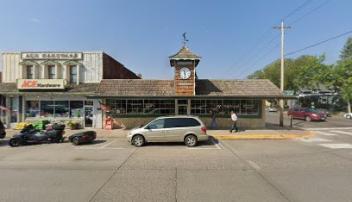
(138, 140)
(308, 119)
(191, 140)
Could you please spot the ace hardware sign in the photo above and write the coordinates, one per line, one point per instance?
(40, 84)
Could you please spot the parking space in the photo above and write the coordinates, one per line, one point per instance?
(122, 143)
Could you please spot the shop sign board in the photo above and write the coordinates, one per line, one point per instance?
(40, 84)
(51, 55)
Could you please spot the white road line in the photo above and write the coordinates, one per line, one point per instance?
(253, 165)
(217, 144)
(337, 128)
(337, 146)
(203, 148)
(315, 139)
(99, 148)
(107, 144)
(326, 133)
(341, 132)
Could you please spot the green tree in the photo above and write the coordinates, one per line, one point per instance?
(303, 72)
(346, 52)
(343, 76)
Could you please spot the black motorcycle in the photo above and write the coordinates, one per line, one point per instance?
(30, 135)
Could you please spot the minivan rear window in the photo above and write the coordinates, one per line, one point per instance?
(181, 122)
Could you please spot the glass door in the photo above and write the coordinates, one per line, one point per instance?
(88, 116)
(182, 107)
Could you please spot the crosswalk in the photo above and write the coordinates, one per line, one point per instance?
(332, 138)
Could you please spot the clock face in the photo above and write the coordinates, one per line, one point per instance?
(185, 73)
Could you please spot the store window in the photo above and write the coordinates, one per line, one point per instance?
(62, 109)
(30, 71)
(205, 107)
(224, 107)
(73, 74)
(198, 107)
(134, 106)
(151, 107)
(76, 108)
(47, 108)
(51, 72)
(249, 107)
(159, 107)
(231, 105)
(32, 109)
(117, 107)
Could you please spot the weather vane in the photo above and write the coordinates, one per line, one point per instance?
(185, 40)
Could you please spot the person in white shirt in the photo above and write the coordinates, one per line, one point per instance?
(234, 120)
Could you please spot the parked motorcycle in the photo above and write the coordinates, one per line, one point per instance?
(30, 135)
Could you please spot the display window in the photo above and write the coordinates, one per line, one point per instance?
(32, 109)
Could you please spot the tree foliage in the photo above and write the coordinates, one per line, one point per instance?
(310, 72)
(304, 72)
(346, 52)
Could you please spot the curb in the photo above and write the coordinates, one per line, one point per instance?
(306, 134)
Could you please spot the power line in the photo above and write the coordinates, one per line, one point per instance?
(305, 14)
(252, 54)
(263, 56)
(318, 43)
(310, 11)
(301, 6)
(254, 50)
(297, 9)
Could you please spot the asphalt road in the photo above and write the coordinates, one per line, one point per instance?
(315, 169)
(331, 122)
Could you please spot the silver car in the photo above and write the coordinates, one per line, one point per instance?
(187, 129)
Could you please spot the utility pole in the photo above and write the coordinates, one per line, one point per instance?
(282, 28)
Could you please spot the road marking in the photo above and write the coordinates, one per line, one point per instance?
(315, 139)
(253, 165)
(341, 132)
(99, 148)
(217, 145)
(107, 144)
(326, 134)
(337, 128)
(337, 146)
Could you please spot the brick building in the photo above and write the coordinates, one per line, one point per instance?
(89, 86)
(134, 102)
(56, 85)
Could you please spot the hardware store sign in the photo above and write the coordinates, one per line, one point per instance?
(51, 56)
(40, 84)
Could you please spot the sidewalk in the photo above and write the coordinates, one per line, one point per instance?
(218, 134)
(260, 134)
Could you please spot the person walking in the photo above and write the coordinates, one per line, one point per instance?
(213, 124)
(234, 122)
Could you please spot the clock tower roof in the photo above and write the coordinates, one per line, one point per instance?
(184, 54)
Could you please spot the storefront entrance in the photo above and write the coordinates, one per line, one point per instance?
(182, 107)
(88, 116)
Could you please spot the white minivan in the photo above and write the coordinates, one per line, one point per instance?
(187, 129)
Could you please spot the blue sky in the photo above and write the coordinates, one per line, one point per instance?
(234, 37)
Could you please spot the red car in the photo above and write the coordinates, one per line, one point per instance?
(307, 114)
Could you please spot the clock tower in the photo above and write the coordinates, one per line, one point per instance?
(185, 63)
